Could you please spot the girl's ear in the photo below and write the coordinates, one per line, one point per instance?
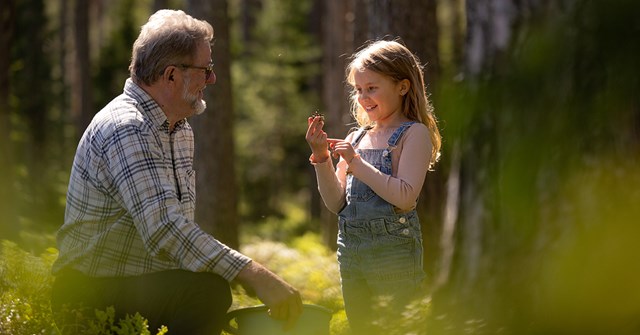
(404, 85)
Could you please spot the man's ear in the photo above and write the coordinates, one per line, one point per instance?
(168, 73)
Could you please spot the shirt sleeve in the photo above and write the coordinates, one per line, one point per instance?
(332, 182)
(142, 184)
(330, 186)
(403, 189)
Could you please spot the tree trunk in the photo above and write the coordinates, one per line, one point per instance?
(248, 12)
(482, 246)
(63, 81)
(8, 227)
(386, 19)
(488, 34)
(33, 91)
(217, 203)
(82, 99)
(337, 44)
(159, 4)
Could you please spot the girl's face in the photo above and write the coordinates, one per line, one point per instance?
(379, 96)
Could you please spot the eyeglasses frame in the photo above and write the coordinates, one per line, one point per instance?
(208, 70)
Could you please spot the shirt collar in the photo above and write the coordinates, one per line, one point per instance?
(149, 107)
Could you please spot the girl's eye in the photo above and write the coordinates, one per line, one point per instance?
(368, 89)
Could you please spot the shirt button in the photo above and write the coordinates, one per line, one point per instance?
(402, 220)
(405, 231)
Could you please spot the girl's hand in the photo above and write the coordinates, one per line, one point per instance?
(342, 148)
(317, 138)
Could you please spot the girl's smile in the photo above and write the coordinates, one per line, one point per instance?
(379, 96)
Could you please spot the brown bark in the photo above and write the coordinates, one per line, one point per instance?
(159, 4)
(81, 101)
(337, 44)
(8, 228)
(217, 200)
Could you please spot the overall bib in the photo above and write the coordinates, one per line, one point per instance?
(379, 250)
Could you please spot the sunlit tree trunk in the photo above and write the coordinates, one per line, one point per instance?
(337, 41)
(217, 195)
(441, 199)
(483, 229)
(488, 34)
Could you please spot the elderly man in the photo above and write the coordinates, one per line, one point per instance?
(129, 238)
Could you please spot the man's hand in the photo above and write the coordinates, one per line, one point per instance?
(282, 299)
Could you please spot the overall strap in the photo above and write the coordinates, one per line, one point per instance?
(395, 137)
(361, 131)
(393, 140)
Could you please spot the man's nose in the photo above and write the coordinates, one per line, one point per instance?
(212, 79)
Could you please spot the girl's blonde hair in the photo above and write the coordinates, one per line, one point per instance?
(394, 60)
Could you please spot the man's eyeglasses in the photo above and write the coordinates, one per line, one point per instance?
(208, 70)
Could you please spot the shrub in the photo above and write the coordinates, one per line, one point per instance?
(25, 306)
(25, 287)
(25, 284)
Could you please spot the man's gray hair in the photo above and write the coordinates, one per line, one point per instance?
(169, 37)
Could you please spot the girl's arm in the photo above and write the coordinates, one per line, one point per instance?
(331, 181)
(403, 190)
(331, 184)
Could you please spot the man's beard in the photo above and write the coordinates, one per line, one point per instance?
(197, 105)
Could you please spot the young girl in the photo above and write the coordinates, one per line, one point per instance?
(375, 185)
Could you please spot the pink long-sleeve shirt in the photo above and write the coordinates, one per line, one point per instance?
(410, 162)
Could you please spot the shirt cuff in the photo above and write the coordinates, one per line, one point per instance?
(353, 163)
(236, 261)
(312, 160)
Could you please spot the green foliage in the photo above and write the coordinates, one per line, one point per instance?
(25, 307)
(312, 268)
(273, 73)
(309, 266)
(413, 319)
(554, 137)
(25, 283)
(285, 228)
(104, 324)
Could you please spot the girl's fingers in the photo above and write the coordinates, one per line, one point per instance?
(313, 128)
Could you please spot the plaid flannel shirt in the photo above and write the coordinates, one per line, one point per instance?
(131, 197)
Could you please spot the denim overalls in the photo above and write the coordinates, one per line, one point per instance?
(379, 251)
